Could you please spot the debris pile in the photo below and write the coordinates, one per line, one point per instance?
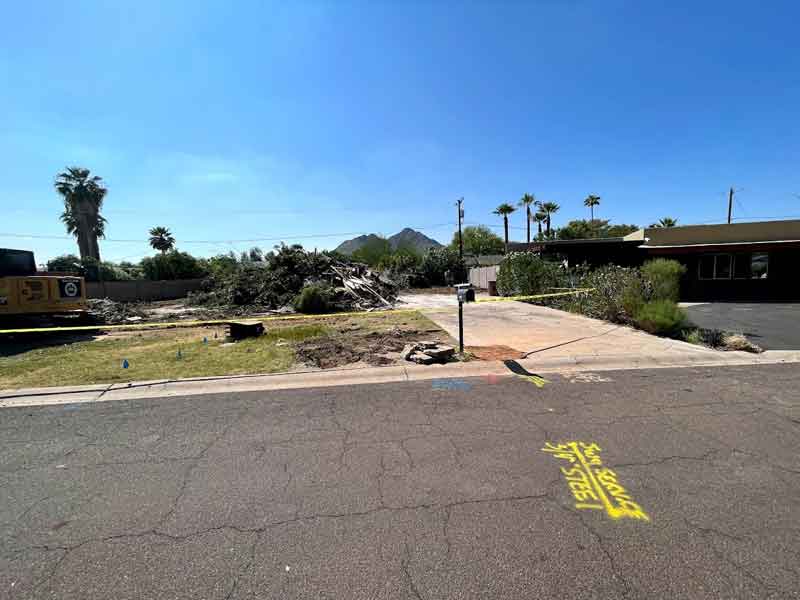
(275, 282)
(428, 353)
(110, 312)
(357, 288)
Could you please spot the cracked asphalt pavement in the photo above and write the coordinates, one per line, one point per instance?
(409, 490)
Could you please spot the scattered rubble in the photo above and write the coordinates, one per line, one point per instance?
(109, 312)
(428, 353)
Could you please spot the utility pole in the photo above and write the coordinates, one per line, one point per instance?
(730, 205)
(460, 218)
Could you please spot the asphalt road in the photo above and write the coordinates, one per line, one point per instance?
(771, 326)
(411, 490)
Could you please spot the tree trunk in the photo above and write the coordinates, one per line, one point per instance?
(548, 226)
(529, 224)
(591, 208)
(82, 234)
(505, 226)
(539, 223)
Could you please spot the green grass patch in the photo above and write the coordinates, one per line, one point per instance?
(154, 355)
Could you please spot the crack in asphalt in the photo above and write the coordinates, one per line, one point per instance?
(662, 460)
(404, 565)
(445, 532)
(154, 532)
(246, 567)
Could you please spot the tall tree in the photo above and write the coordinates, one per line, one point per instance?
(526, 201)
(592, 201)
(665, 222)
(549, 209)
(83, 196)
(161, 239)
(479, 240)
(504, 210)
(540, 218)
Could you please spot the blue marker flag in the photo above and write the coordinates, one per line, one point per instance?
(125, 363)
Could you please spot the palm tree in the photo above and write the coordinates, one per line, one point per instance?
(540, 218)
(592, 201)
(549, 209)
(526, 201)
(161, 239)
(83, 197)
(504, 210)
(665, 222)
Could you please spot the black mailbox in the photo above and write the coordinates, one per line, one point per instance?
(465, 292)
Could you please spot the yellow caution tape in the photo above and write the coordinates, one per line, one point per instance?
(174, 324)
(200, 323)
(534, 297)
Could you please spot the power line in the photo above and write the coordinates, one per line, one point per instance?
(220, 242)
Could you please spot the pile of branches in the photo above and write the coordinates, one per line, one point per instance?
(274, 282)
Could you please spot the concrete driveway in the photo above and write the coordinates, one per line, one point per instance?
(771, 326)
(411, 490)
(548, 333)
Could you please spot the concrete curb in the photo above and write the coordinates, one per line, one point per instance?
(375, 375)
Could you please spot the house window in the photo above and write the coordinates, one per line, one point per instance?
(706, 267)
(751, 266)
(759, 265)
(737, 266)
(741, 266)
(715, 266)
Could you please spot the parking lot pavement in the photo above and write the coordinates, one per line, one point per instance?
(669, 483)
(771, 326)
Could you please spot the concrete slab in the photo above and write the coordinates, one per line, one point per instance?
(537, 330)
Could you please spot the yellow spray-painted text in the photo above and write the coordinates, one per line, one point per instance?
(592, 484)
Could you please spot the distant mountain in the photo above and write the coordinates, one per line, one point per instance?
(350, 246)
(408, 238)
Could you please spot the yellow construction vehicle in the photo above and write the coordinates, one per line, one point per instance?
(24, 291)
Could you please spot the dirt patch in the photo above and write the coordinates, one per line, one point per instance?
(352, 344)
(494, 352)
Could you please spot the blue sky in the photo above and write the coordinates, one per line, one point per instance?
(254, 120)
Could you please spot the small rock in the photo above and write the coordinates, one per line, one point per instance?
(441, 352)
(408, 350)
(421, 358)
(427, 344)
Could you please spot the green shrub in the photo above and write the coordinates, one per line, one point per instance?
(664, 276)
(661, 317)
(438, 263)
(314, 299)
(91, 269)
(526, 273)
(173, 265)
(619, 292)
(693, 336)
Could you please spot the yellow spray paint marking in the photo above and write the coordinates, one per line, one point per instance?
(535, 380)
(592, 484)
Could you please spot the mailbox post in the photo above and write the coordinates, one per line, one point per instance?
(465, 293)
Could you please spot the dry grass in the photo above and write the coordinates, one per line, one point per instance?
(741, 343)
(153, 354)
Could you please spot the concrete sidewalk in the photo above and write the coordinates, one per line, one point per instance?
(548, 333)
(536, 363)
